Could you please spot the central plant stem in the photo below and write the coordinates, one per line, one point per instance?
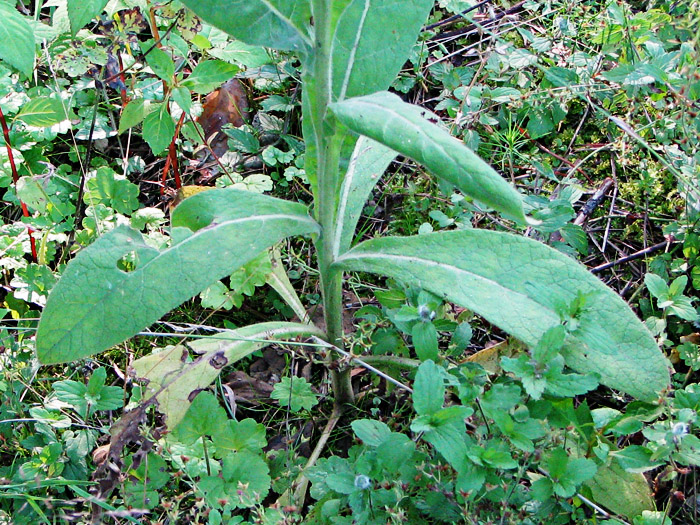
(318, 86)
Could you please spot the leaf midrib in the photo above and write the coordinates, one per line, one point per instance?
(202, 231)
(418, 260)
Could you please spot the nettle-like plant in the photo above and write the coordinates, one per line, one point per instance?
(351, 50)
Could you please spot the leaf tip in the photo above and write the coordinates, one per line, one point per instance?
(531, 221)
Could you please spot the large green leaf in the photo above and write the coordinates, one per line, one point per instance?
(369, 161)
(279, 24)
(209, 75)
(174, 380)
(408, 129)
(521, 286)
(159, 128)
(622, 492)
(19, 47)
(80, 12)
(96, 305)
(43, 112)
(371, 42)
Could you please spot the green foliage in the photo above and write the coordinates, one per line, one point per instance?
(86, 399)
(42, 112)
(158, 128)
(498, 430)
(466, 266)
(670, 297)
(16, 28)
(208, 75)
(295, 393)
(409, 130)
(81, 12)
(200, 228)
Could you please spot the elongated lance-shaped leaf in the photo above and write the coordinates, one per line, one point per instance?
(175, 380)
(522, 286)
(368, 163)
(96, 305)
(280, 283)
(405, 128)
(278, 24)
(371, 41)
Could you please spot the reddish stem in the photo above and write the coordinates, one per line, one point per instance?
(15, 178)
(171, 160)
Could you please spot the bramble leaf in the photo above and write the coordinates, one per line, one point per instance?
(158, 129)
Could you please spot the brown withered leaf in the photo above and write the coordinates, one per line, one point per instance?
(226, 105)
(693, 338)
(490, 357)
(125, 432)
(248, 390)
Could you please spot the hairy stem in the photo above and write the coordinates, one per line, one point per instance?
(328, 146)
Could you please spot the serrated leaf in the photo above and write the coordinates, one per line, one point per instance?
(42, 112)
(217, 296)
(236, 436)
(278, 24)
(561, 77)
(80, 12)
(539, 123)
(242, 53)
(410, 130)
(158, 129)
(395, 451)
(18, 36)
(133, 114)
(295, 393)
(116, 193)
(96, 305)
(174, 378)
(161, 64)
(204, 417)
(620, 491)
(656, 285)
(244, 482)
(95, 396)
(247, 473)
(522, 293)
(448, 440)
(183, 98)
(33, 193)
(425, 341)
(371, 431)
(209, 75)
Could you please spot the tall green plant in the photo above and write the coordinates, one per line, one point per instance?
(351, 50)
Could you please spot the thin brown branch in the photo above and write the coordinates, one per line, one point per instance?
(636, 255)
